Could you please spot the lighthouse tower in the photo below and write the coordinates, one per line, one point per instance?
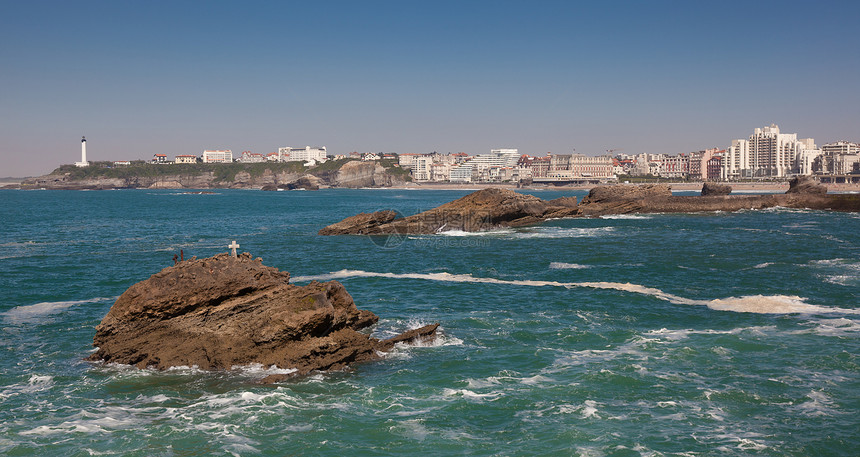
(83, 162)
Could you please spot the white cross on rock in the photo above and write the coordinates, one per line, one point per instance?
(233, 246)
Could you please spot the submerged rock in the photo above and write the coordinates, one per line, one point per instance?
(224, 311)
(482, 210)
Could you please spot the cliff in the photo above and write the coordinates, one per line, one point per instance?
(225, 311)
(290, 175)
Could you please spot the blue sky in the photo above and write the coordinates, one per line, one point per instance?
(139, 78)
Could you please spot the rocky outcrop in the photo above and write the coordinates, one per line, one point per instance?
(710, 188)
(805, 185)
(356, 174)
(627, 192)
(360, 224)
(482, 210)
(306, 182)
(494, 208)
(623, 198)
(225, 311)
(65, 182)
(620, 199)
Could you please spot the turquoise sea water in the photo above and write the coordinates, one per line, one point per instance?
(624, 336)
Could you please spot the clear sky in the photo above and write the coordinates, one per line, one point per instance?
(177, 77)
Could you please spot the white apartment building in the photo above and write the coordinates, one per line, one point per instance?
(767, 153)
(840, 157)
(806, 160)
(305, 154)
(840, 147)
(421, 168)
(462, 172)
(509, 157)
(405, 160)
(186, 158)
(496, 158)
(217, 156)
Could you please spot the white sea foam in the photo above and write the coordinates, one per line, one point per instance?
(258, 370)
(587, 409)
(819, 404)
(533, 233)
(35, 313)
(626, 216)
(466, 393)
(833, 327)
(567, 266)
(763, 304)
(843, 272)
(36, 383)
(480, 233)
(560, 232)
(763, 265)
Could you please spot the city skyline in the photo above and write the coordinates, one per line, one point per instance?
(660, 77)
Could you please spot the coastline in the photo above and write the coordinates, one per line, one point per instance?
(737, 187)
(744, 187)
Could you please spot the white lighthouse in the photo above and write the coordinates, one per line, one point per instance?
(83, 162)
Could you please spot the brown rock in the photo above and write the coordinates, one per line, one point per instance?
(620, 199)
(710, 188)
(805, 185)
(306, 182)
(627, 192)
(360, 224)
(220, 312)
(482, 210)
(569, 202)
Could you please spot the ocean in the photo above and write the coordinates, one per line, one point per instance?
(637, 335)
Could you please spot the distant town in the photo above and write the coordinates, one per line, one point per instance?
(767, 154)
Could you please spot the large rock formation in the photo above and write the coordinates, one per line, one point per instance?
(490, 209)
(711, 188)
(224, 311)
(357, 174)
(627, 192)
(482, 210)
(620, 199)
(805, 185)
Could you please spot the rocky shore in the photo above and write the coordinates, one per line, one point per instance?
(222, 312)
(495, 208)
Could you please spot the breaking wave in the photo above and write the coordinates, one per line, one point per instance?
(567, 266)
(763, 304)
(533, 232)
(34, 313)
(625, 216)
